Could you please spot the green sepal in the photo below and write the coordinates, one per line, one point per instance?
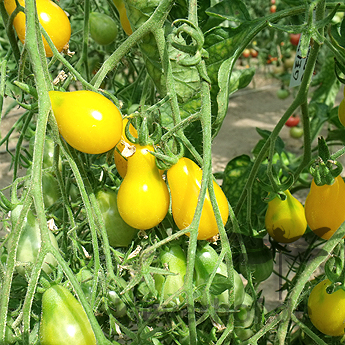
(322, 169)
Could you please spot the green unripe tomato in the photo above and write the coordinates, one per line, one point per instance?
(120, 234)
(103, 28)
(283, 93)
(63, 319)
(29, 242)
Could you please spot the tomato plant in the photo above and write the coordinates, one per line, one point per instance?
(86, 127)
(52, 18)
(84, 186)
(326, 310)
(74, 327)
(285, 220)
(323, 209)
(103, 28)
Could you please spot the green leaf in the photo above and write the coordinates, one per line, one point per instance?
(219, 284)
(326, 81)
(234, 11)
(279, 143)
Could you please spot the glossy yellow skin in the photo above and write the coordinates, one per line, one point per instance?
(143, 197)
(52, 18)
(121, 161)
(324, 208)
(88, 121)
(126, 26)
(285, 220)
(327, 311)
(341, 112)
(184, 180)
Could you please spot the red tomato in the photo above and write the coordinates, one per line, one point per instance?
(294, 39)
(293, 121)
(273, 9)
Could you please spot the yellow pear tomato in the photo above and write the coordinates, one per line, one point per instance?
(285, 219)
(184, 180)
(87, 120)
(52, 18)
(324, 207)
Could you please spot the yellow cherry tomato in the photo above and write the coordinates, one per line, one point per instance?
(285, 219)
(120, 160)
(324, 207)
(341, 112)
(52, 18)
(143, 197)
(327, 310)
(126, 26)
(184, 180)
(88, 121)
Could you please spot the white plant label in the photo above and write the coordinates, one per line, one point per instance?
(298, 67)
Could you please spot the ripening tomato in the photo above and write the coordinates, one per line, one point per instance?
(254, 53)
(120, 160)
(184, 180)
(246, 53)
(341, 112)
(324, 207)
(87, 120)
(273, 8)
(327, 310)
(52, 18)
(285, 219)
(294, 39)
(143, 197)
(63, 319)
(103, 28)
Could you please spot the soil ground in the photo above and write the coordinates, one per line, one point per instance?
(255, 106)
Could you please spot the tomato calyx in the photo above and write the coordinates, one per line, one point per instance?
(324, 169)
